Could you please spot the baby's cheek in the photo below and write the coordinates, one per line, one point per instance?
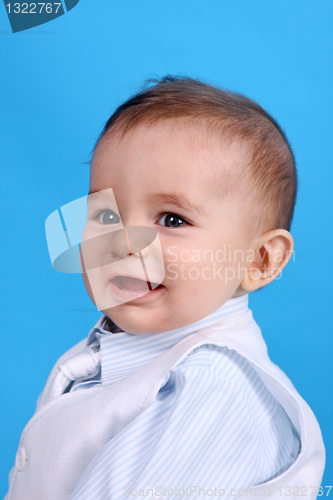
(185, 271)
(172, 273)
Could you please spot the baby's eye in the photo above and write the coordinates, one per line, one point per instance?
(108, 217)
(172, 220)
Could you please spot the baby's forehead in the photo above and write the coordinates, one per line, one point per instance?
(178, 149)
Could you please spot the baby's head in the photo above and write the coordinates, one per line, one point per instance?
(214, 175)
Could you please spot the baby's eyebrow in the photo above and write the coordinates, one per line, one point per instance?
(180, 200)
(103, 195)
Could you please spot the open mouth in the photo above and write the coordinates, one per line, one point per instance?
(134, 284)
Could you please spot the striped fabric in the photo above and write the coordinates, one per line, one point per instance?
(212, 429)
(123, 353)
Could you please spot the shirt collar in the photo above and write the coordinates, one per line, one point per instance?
(122, 352)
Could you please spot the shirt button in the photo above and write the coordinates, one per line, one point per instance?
(21, 459)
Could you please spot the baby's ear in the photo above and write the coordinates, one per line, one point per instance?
(272, 253)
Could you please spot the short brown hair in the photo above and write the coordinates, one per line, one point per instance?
(235, 116)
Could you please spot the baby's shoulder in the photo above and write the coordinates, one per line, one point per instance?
(234, 370)
(225, 363)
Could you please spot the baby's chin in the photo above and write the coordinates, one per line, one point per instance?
(138, 321)
(148, 318)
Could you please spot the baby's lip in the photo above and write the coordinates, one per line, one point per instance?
(117, 275)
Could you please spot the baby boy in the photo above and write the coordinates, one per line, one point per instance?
(172, 394)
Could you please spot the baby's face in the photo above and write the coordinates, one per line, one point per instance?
(187, 187)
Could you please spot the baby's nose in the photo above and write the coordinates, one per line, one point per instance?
(132, 240)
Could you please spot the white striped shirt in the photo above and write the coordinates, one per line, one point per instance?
(212, 428)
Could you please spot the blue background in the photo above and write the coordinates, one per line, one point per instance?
(61, 81)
